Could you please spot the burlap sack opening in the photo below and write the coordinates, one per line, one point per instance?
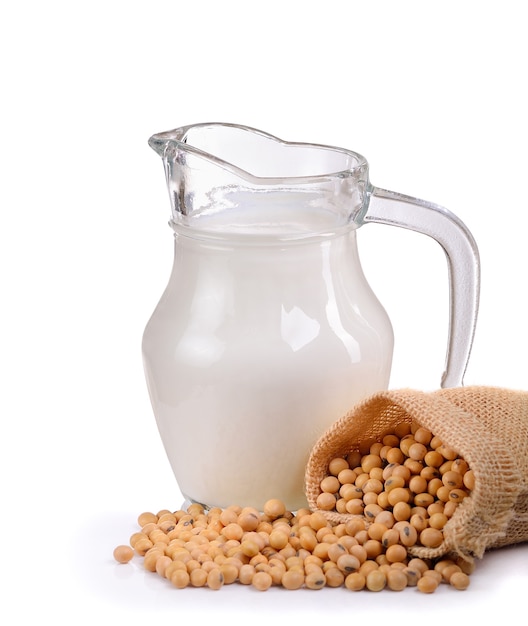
(487, 426)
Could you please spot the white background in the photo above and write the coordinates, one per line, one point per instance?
(432, 93)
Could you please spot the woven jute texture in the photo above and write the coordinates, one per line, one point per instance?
(487, 426)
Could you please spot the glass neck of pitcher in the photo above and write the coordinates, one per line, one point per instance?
(227, 180)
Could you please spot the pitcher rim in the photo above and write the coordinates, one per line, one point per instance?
(160, 142)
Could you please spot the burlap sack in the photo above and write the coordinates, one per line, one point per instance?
(487, 426)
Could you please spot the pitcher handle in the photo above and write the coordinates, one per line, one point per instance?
(387, 207)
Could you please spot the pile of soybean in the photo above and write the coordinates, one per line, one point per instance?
(400, 492)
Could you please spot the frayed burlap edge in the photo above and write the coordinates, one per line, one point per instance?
(481, 520)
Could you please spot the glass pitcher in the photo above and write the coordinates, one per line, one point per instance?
(268, 331)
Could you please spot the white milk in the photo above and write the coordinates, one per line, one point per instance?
(254, 349)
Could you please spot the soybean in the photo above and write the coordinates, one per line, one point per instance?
(123, 554)
(262, 581)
